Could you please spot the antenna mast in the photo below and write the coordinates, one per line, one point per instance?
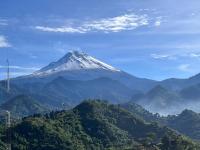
(8, 76)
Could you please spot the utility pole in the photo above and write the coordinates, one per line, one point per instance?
(8, 118)
(8, 125)
(8, 76)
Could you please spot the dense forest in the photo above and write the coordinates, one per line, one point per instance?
(187, 122)
(93, 125)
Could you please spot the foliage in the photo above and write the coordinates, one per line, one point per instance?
(93, 125)
(23, 105)
(187, 123)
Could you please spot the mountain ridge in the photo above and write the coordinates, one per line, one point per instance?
(165, 96)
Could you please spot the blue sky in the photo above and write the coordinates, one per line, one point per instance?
(148, 38)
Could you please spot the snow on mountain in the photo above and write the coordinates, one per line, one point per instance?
(74, 61)
(80, 66)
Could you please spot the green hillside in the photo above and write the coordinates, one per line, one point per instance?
(94, 125)
(187, 122)
(22, 105)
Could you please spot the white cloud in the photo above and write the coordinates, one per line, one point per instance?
(33, 56)
(185, 67)
(16, 74)
(163, 56)
(157, 23)
(3, 22)
(159, 56)
(61, 29)
(4, 42)
(175, 56)
(20, 68)
(114, 24)
(195, 55)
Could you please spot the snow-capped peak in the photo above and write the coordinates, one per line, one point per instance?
(75, 61)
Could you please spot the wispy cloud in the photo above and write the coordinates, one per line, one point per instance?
(159, 56)
(4, 42)
(114, 24)
(16, 74)
(20, 68)
(194, 55)
(158, 21)
(3, 22)
(163, 56)
(185, 67)
(175, 56)
(61, 29)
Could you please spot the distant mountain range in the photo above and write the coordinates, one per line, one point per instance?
(78, 76)
(178, 84)
(131, 122)
(165, 101)
(75, 77)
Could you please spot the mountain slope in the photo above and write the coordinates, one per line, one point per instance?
(94, 125)
(159, 100)
(191, 93)
(187, 122)
(22, 105)
(5, 95)
(164, 101)
(74, 61)
(141, 112)
(72, 92)
(178, 84)
(80, 66)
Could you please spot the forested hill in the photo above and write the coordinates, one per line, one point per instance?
(94, 125)
(23, 105)
(187, 122)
